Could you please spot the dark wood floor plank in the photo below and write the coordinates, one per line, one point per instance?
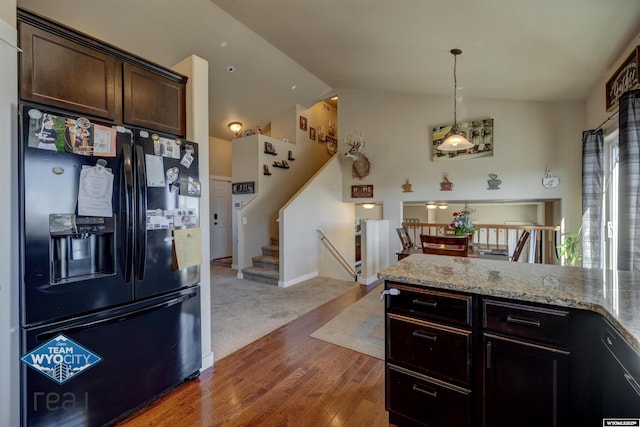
(284, 379)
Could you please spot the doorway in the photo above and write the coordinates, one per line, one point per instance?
(220, 243)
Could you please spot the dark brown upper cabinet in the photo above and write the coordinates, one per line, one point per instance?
(64, 68)
(153, 101)
(59, 72)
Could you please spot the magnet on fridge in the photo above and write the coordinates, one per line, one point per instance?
(189, 187)
(172, 174)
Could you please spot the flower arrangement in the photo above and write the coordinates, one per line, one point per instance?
(461, 223)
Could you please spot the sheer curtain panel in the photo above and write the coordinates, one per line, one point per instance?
(592, 181)
(629, 185)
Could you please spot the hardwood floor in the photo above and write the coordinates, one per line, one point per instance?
(283, 379)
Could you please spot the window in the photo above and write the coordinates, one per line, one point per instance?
(610, 200)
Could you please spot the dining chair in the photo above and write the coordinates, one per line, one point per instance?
(445, 245)
(520, 245)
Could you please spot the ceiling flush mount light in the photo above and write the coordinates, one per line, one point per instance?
(431, 205)
(368, 205)
(455, 141)
(235, 127)
(442, 205)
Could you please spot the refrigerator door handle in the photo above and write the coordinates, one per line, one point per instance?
(140, 312)
(128, 217)
(141, 234)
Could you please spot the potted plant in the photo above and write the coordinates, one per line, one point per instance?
(570, 247)
(461, 223)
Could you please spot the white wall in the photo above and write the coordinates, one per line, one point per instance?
(9, 277)
(197, 70)
(318, 205)
(375, 249)
(219, 157)
(529, 136)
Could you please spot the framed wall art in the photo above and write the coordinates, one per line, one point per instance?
(624, 79)
(242, 187)
(361, 191)
(478, 132)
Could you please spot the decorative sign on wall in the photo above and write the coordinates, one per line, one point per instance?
(624, 79)
(478, 132)
(242, 187)
(361, 191)
(550, 180)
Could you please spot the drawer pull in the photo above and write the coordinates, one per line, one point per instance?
(424, 336)
(632, 382)
(525, 322)
(431, 392)
(430, 304)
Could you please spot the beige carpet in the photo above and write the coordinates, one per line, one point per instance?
(360, 327)
(243, 310)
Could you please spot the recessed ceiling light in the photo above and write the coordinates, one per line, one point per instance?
(231, 68)
(293, 87)
(224, 44)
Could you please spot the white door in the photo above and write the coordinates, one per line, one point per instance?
(220, 211)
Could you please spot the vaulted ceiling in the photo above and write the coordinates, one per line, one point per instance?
(287, 52)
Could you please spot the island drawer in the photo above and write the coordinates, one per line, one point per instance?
(527, 321)
(430, 304)
(444, 352)
(427, 400)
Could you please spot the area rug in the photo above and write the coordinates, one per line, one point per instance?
(360, 327)
(243, 310)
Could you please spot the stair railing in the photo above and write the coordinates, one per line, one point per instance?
(339, 257)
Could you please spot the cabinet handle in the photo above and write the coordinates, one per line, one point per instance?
(525, 322)
(430, 304)
(632, 382)
(431, 392)
(489, 355)
(422, 335)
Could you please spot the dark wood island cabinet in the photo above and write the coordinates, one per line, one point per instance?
(488, 343)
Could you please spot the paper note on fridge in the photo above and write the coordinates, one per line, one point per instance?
(155, 171)
(104, 141)
(95, 191)
(188, 246)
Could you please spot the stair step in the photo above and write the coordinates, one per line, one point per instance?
(275, 240)
(266, 261)
(271, 250)
(262, 275)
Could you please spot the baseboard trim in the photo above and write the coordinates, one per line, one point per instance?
(297, 280)
(207, 362)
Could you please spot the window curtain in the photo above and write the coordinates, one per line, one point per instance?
(592, 181)
(629, 185)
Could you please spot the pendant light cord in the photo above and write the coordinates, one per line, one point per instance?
(455, 92)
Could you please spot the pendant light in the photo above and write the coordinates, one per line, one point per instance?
(455, 141)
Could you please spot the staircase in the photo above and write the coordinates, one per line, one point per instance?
(266, 267)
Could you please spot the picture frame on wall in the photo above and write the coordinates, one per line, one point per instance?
(312, 133)
(478, 132)
(243, 187)
(303, 123)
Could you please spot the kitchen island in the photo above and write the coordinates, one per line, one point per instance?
(484, 342)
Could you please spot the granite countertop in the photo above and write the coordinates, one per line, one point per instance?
(613, 294)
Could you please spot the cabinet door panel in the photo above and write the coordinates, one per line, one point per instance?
(426, 401)
(65, 74)
(524, 384)
(437, 350)
(153, 101)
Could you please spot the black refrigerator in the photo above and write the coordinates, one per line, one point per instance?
(110, 246)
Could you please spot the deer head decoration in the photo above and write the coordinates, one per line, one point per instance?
(361, 164)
